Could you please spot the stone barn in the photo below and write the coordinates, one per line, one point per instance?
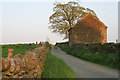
(88, 30)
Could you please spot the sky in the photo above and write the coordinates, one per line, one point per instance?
(24, 22)
(118, 21)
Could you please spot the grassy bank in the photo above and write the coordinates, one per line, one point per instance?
(18, 49)
(109, 60)
(56, 68)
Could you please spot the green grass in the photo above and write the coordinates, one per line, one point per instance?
(18, 49)
(0, 51)
(56, 68)
(106, 59)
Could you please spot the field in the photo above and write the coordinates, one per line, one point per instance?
(109, 60)
(18, 49)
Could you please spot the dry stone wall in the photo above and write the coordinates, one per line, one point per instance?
(29, 65)
(100, 47)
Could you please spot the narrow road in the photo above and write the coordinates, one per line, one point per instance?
(84, 69)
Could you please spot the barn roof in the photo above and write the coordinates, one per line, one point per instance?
(89, 19)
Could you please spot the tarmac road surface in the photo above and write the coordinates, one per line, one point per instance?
(84, 69)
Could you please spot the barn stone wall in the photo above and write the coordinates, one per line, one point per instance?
(89, 30)
(70, 38)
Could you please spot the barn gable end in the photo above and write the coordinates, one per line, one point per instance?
(88, 30)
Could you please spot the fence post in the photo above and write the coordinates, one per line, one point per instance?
(36, 44)
(40, 44)
(116, 40)
(30, 46)
(10, 53)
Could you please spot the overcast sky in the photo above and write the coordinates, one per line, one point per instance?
(28, 21)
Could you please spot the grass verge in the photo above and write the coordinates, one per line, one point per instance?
(18, 49)
(106, 59)
(56, 68)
